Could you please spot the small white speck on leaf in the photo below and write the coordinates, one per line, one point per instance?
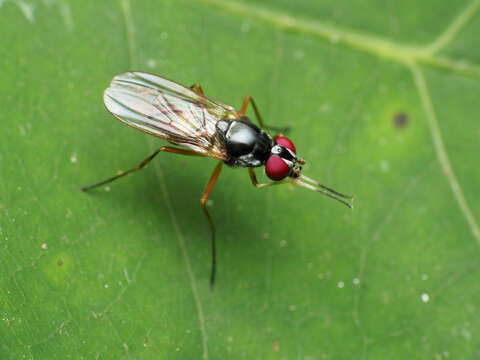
(107, 188)
(209, 202)
(44, 246)
(467, 334)
(283, 243)
(289, 21)
(151, 63)
(425, 298)
(325, 108)
(245, 27)
(106, 286)
(73, 158)
(461, 63)
(356, 281)
(341, 284)
(335, 39)
(384, 166)
(299, 54)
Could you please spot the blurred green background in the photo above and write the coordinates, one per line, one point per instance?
(383, 100)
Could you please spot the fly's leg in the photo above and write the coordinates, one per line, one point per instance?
(197, 88)
(203, 201)
(143, 164)
(255, 183)
(248, 99)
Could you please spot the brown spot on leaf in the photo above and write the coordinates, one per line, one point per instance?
(60, 262)
(276, 347)
(400, 120)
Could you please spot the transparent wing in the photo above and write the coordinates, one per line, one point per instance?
(168, 110)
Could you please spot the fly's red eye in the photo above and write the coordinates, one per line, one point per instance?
(276, 168)
(286, 142)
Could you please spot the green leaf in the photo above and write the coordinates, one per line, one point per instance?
(382, 98)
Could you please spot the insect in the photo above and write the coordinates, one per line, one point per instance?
(203, 126)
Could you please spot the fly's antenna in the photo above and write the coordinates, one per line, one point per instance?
(308, 183)
(309, 180)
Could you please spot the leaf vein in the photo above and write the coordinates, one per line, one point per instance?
(201, 318)
(376, 45)
(441, 152)
(454, 28)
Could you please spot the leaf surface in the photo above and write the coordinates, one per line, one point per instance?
(382, 98)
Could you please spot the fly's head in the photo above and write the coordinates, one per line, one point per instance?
(283, 160)
(282, 165)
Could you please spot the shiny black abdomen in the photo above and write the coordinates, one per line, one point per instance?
(246, 144)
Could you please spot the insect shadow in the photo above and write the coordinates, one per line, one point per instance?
(144, 194)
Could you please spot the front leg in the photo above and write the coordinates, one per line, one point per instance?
(248, 99)
(255, 183)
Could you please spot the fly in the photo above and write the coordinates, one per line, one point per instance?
(202, 126)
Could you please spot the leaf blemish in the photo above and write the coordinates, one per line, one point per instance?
(400, 120)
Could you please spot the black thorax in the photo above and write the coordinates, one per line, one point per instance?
(247, 145)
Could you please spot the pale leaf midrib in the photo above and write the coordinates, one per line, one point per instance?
(375, 45)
